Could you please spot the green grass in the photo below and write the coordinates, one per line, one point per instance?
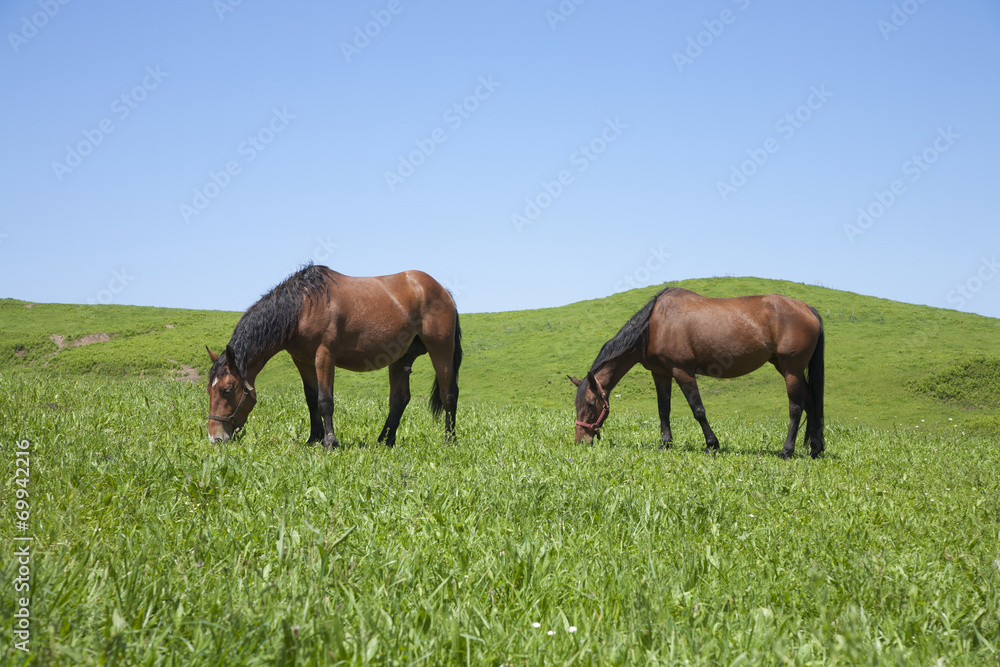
(876, 351)
(152, 546)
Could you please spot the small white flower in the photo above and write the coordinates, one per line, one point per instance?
(550, 633)
(572, 628)
(536, 625)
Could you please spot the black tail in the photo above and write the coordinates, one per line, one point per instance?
(814, 382)
(437, 405)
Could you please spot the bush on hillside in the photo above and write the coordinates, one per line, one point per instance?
(974, 382)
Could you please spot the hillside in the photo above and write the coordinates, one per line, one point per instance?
(889, 364)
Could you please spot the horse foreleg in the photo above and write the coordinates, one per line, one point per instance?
(663, 387)
(324, 380)
(796, 386)
(399, 397)
(689, 386)
(309, 385)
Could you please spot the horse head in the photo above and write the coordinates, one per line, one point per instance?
(592, 408)
(230, 397)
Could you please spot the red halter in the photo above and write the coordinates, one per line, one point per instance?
(605, 409)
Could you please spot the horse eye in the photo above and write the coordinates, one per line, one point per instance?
(591, 404)
(227, 391)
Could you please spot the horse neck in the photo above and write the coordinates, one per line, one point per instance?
(256, 361)
(612, 371)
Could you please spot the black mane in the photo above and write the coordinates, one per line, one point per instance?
(631, 337)
(273, 319)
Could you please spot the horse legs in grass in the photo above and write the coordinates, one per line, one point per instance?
(795, 383)
(444, 372)
(689, 386)
(399, 390)
(309, 385)
(813, 436)
(662, 383)
(399, 398)
(324, 379)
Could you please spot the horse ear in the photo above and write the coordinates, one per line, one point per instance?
(575, 381)
(212, 355)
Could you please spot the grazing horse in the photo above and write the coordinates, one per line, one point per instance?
(326, 320)
(680, 334)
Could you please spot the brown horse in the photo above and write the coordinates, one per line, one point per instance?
(326, 320)
(680, 334)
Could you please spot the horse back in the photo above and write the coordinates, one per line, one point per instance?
(733, 335)
(362, 318)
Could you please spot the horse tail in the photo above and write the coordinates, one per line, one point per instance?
(436, 404)
(815, 386)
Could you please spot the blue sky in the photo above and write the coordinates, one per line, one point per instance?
(526, 154)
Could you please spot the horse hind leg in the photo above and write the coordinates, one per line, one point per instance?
(399, 391)
(795, 383)
(444, 392)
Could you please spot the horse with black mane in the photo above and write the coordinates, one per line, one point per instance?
(679, 335)
(326, 320)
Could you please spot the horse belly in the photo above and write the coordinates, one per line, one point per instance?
(729, 351)
(731, 363)
(374, 350)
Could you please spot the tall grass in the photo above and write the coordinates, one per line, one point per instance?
(512, 545)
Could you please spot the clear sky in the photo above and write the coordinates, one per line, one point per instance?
(194, 153)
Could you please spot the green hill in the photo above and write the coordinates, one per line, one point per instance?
(889, 364)
(513, 544)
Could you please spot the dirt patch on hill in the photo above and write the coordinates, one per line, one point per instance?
(89, 339)
(185, 373)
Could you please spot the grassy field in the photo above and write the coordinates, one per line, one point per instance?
(513, 545)
(885, 359)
